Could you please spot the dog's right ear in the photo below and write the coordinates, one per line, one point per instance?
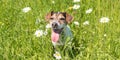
(47, 17)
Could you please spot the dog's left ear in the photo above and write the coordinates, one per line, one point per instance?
(47, 17)
(69, 18)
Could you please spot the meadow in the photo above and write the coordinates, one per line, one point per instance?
(94, 40)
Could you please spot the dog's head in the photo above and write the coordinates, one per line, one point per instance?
(58, 20)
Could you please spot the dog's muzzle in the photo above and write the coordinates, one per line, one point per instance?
(54, 25)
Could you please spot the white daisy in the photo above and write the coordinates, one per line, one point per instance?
(76, 23)
(38, 33)
(76, 1)
(26, 9)
(48, 26)
(89, 11)
(57, 55)
(86, 23)
(104, 20)
(76, 6)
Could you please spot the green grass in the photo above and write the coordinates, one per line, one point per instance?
(17, 40)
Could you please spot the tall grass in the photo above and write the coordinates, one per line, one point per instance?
(18, 42)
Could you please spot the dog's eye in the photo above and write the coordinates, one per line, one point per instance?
(51, 18)
(62, 18)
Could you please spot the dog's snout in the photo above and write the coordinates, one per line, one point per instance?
(54, 25)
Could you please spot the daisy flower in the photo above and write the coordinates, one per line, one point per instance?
(48, 26)
(39, 33)
(76, 6)
(26, 9)
(104, 20)
(76, 1)
(89, 11)
(86, 23)
(76, 23)
(57, 55)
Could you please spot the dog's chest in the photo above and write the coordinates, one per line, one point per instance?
(66, 35)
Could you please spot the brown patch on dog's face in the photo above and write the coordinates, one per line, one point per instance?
(59, 19)
(56, 17)
(59, 16)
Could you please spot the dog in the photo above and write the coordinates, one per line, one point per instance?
(60, 31)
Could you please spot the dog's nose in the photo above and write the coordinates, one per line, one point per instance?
(54, 25)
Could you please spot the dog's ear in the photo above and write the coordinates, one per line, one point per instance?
(69, 18)
(47, 17)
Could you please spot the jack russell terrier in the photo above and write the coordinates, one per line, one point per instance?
(59, 28)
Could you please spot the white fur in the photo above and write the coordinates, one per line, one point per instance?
(59, 25)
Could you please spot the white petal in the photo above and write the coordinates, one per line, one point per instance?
(89, 11)
(26, 9)
(86, 23)
(48, 26)
(76, 1)
(57, 55)
(76, 23)
(38, 33)
(76, 6)
(104, 20)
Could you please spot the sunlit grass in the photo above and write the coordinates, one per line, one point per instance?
(17, 29)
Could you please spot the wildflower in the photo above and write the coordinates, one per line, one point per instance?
(57, 55)
(86, 23)
(76, 1)
(76, 23)
(104, 20)
(48, 26)
(89, 11)
(39, 33)
(76, 6)
(26, 9)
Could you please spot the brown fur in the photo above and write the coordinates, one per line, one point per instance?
(62, 17)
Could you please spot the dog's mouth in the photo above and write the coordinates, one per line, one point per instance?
(58, 30)
(55, 34)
